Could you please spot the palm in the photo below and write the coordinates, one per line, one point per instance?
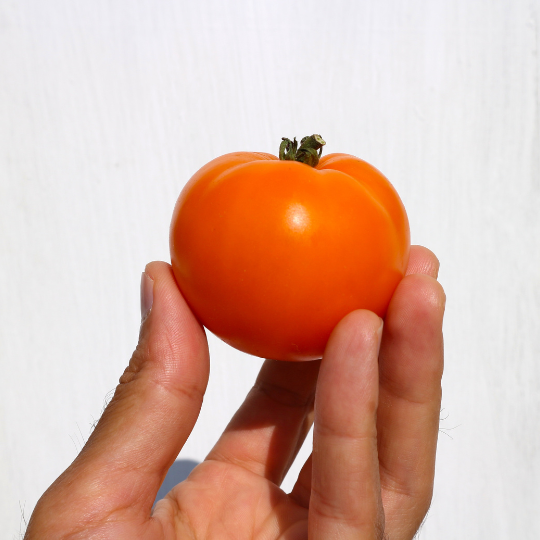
(244, 506)
(239, 481)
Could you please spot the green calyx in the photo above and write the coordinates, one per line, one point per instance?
(309, 152)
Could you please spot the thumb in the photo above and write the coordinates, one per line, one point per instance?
(156, 403)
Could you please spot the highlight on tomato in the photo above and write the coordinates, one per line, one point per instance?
(272, 252)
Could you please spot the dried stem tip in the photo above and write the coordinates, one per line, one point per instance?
(309, 152)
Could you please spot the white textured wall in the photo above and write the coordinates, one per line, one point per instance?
(106, 109)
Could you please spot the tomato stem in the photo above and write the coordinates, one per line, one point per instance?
(309, 152)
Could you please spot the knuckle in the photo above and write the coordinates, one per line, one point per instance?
(285, 396)
(134, 367)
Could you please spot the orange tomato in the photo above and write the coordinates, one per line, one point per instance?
(271, 255)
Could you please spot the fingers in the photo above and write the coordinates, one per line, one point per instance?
(270, 426)
(411, 365)
(423, 261)
(153, 411)
(345, 489)
(301, 491)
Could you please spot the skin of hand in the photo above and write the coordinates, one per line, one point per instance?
(375, 406)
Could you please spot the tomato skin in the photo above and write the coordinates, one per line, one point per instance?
(271, 255)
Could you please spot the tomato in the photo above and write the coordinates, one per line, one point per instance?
(271, 253)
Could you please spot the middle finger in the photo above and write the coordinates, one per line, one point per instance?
(268, 429)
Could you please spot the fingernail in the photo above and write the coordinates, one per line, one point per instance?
(379, 335)
(147, 295)
(437, 268)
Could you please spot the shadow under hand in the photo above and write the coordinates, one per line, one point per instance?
(178, 472)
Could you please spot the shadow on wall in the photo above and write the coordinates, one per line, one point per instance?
(178, 472)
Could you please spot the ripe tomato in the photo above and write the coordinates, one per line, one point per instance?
(271, 254)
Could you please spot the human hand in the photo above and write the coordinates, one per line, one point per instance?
(376, 421)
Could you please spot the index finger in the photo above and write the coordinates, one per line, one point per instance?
(345, 500)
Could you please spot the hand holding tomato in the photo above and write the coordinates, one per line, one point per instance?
(376, 420)
(271, 253)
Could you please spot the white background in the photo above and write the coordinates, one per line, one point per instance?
(108, 107)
